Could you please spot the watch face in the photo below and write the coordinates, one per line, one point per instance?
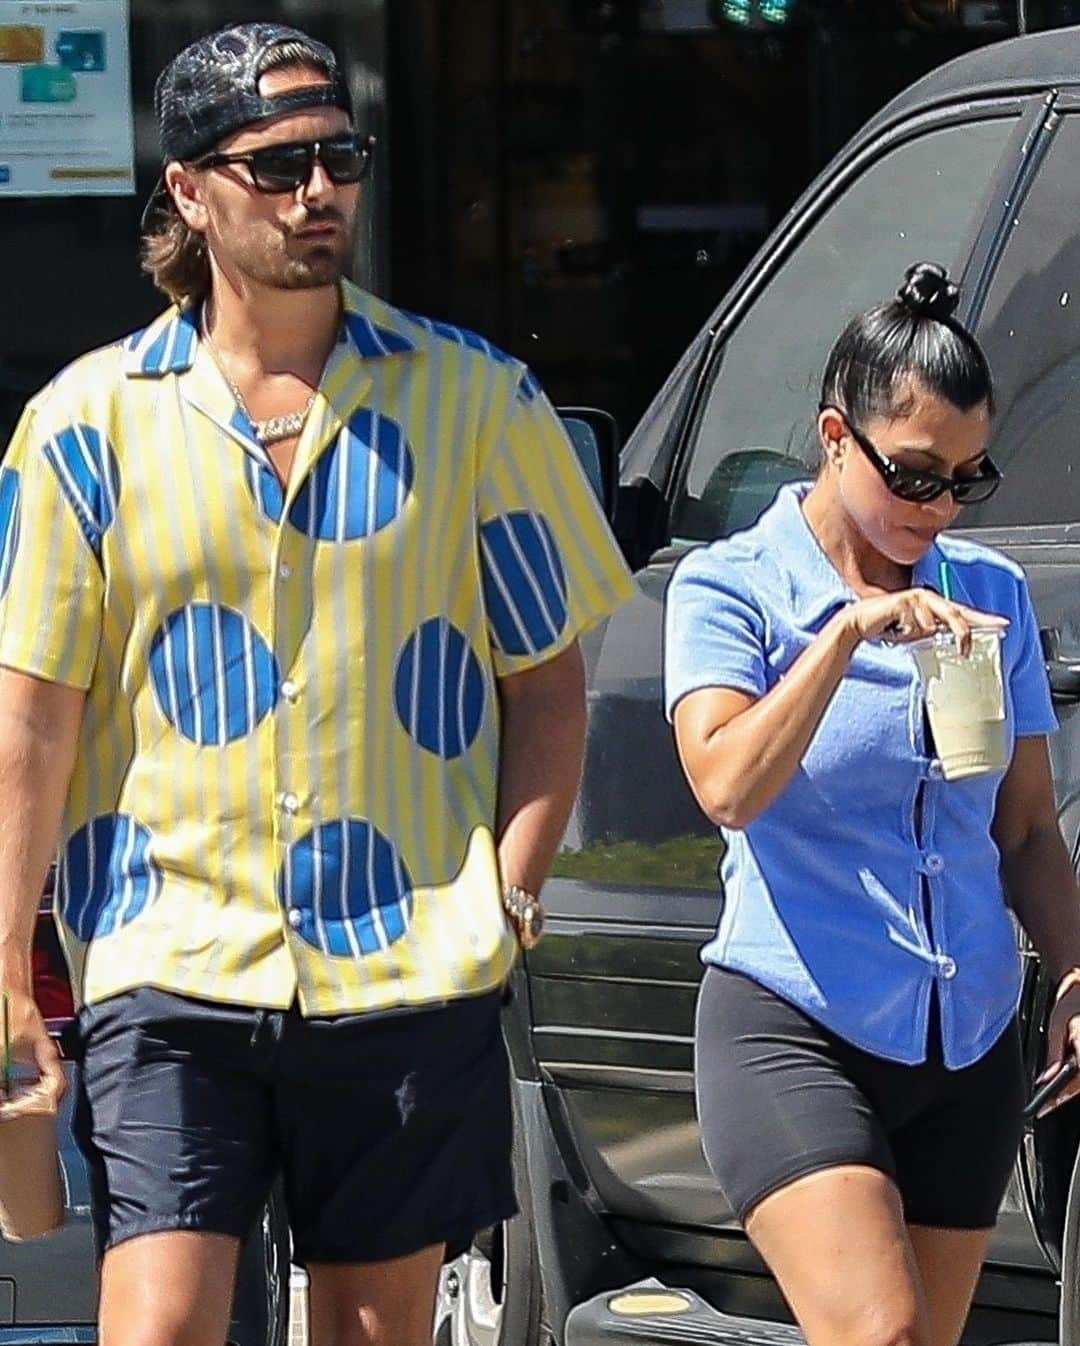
(526, 915)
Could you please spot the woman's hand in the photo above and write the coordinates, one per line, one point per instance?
(913, 614)
(1063, 1038)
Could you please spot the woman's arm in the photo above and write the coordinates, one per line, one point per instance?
(1035, 865)
(1042, 890)
(739, 751)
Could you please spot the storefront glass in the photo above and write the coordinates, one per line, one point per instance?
(583, 179)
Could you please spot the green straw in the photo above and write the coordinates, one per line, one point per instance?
(945, 581)
(7, 1049)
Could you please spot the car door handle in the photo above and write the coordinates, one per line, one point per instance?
(1063, 673)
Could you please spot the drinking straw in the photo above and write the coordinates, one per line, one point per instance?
(7, 1049)
(945, 580)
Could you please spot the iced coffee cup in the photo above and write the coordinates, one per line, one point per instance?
(965, 702)
(31, 1194)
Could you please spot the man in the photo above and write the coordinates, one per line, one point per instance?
(292, 586)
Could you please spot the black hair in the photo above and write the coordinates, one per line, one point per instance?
(912, 337)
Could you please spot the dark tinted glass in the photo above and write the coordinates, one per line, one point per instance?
(757, 430)
(282, 168)
(1030, 330)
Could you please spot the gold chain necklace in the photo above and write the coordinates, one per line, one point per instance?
(275, 428)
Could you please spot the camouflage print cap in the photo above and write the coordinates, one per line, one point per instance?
(211, 89)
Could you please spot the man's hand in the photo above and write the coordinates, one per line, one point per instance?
(30, 1042)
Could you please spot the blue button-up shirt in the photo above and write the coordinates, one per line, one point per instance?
(870, 879)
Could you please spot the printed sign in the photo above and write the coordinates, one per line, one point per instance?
(66, 125)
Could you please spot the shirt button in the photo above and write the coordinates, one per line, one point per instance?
(935, 864)
(935, 770)
(290, 803)
(285, 570)
(947, 968)
(290, 691)
(296, 917)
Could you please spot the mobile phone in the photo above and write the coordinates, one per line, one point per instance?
(1052, 1087)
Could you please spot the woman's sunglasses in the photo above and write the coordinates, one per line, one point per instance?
(921, 487)
(284, 168)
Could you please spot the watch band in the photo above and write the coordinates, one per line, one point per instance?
(526, 915)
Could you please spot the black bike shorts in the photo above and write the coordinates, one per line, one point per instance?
(780, 1097)
(391, 1133)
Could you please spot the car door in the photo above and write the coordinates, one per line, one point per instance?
(635, 892)
(1026, 310)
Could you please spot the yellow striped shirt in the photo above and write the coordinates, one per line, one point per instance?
(286, 779)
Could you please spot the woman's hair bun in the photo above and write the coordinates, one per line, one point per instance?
(927, 292)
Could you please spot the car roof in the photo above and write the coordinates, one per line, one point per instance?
(1020, 64)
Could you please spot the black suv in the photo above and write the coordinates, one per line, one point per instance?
(626, 1237)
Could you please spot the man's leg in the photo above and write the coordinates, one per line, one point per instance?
(176, 1124)
(397, 1137)
(169, 1289)
(375, 1303)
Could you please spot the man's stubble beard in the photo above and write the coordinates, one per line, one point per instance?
(275, 268)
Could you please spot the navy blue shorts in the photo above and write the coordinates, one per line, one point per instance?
(391, 1133)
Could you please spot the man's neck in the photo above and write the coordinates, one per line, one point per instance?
(274, 331)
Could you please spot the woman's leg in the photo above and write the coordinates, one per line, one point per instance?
(949, 1261)
(839, 1249)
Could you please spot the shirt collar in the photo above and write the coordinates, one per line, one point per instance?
(816, 587)
(372, 330)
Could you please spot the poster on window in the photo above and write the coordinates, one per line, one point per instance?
(66, 125)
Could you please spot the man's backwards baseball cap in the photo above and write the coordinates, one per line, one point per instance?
(211, 90)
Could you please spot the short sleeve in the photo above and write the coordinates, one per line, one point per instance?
(549, 563)
(714, 632)
(51, 585)
(1029, 686)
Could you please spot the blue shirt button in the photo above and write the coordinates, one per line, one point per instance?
(935, 863)
(935, 771)
(947, 968)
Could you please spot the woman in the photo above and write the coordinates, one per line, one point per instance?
(859, 1081)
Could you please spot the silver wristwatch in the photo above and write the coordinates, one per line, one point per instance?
(526, 914)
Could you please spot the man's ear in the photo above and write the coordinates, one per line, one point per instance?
(183, 186)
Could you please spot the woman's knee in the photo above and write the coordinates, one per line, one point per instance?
(896, 1324)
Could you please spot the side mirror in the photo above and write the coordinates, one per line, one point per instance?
(595, 437)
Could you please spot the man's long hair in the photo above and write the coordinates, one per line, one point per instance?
(174, 256)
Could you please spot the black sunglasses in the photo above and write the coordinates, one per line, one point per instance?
(919, 486)
(284, 168)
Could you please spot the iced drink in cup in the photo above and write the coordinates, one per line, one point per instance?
(31, 1194)
(965, 701)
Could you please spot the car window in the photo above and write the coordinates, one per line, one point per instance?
(918, 202)
(1030, 328)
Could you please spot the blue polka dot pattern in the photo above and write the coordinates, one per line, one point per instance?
(214, 676)
(350, 886)
(439, 689)
(106, 877)
(524, 583)
(85, 465)
(528, 388)
(9, 524)
(266, 489)
(358, 486)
